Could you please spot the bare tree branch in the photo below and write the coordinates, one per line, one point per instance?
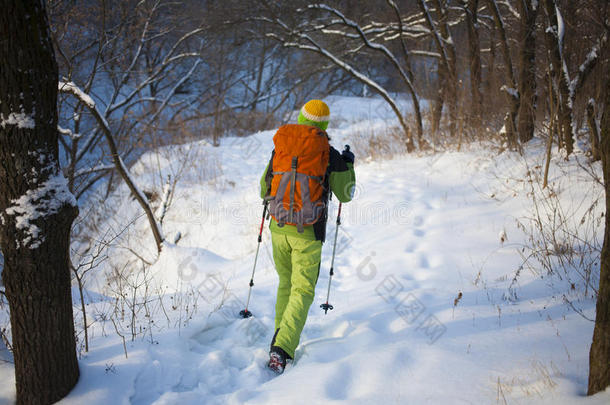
(71, 88)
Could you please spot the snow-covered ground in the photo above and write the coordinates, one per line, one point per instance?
(425, 307)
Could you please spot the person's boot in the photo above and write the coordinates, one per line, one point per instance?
(277, 359)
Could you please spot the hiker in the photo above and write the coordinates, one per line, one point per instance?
(302, 171)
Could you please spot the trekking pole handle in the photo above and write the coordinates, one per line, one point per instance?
(339, 213)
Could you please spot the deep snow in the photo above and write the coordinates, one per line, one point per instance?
(421, 230)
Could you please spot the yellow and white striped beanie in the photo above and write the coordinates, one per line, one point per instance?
(316, 113)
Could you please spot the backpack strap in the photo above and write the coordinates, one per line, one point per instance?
(293, 180)
(319, 179)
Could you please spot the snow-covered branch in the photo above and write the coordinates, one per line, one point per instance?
(165, 200)
(381, 48)
(69, 133)
(315, 47)
(96, 169)
(427, 54)
(587, 66)
(73, 89)
(406, 76)
(510, 8)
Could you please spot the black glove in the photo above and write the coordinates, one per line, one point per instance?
(347, 155)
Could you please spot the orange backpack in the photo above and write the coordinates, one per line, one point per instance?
(297, 175)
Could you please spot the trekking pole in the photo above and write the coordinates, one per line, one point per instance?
(244, 313)
(326, 307)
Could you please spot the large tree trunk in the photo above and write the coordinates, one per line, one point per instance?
(599, 356)
(439, 101)
(474, 47)
(527, 73)
(451, 78)
(593, 131)
(559, 74)
(407, 74)
(490, 77)
(447, 90)
(510, 88)
(37, 208)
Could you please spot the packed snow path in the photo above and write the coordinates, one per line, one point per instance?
(384, 255)
(422, 313)
(419, 231)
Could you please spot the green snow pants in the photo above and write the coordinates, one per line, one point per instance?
(297, 262)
